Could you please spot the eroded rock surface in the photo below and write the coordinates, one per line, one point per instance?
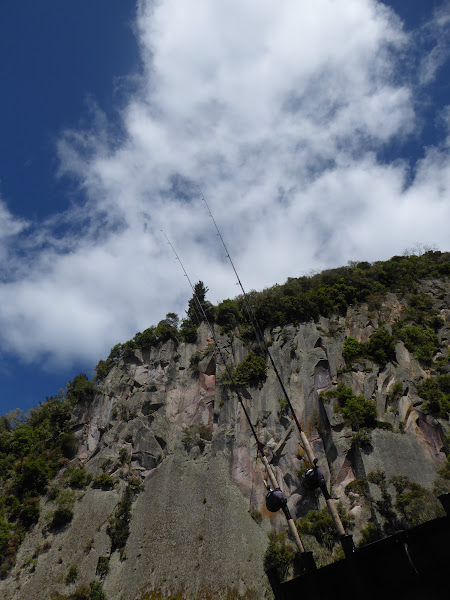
(166, 423)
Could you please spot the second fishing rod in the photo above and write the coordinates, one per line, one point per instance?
(275, 499)
(316, 476)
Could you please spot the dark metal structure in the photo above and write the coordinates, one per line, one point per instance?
(410, 564)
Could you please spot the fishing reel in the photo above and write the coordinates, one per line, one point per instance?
(275, 499)
(314, 478)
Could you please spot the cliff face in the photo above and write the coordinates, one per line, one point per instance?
(183, 469)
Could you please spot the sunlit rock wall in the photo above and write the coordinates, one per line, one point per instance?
(188, 443)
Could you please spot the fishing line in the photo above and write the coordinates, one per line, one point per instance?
(254, 321)
(305, 442)
(275, 499)
(213, 335)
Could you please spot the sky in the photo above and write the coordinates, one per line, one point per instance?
(318, 132)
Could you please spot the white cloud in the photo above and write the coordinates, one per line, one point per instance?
(435, 34)
(277, 111)
(10, 226)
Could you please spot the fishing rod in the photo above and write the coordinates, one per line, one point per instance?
(315, 476)
(275, 499)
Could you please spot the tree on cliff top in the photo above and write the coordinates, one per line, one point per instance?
(194, 312)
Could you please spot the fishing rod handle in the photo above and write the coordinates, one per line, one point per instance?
(270, 473)
(290, 521)
(307, 446)
(335, 516)
(294, 534)
(330, 501)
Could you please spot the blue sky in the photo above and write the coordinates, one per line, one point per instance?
(319, 133)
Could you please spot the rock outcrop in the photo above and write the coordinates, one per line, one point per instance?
(162, 422)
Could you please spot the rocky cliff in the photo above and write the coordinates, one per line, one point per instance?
(172, 500)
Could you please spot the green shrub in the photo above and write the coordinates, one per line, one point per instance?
(82, 593)
(444, 471)
(29, 512)
(385, 425)
(124, 456)
(104, 366)
(363, 438)
(77, 477)
(61, 517)
(80, 389)
(104, 481)
(119, 524)
(358, 412)
(357, 486)
(102, 566)
(252, 372)
(396, 392)
(352, 350)
(384, 505)
(437, 402)
(422, 341)
(188, 331)
(96, 591)
(5, 533)
(415, 503)
(444, 383)
(381, 347)
(283, 404)
(320, 524)
(228, 314)
(71, 575)
(196, 357)
(279, 554)
(69, 445)
(63, 514)
(369, 534)
(93, 591)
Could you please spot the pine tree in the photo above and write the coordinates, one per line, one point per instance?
(194, 312)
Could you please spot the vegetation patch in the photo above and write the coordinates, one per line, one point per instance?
(418, 339)
(93, 591)
(102, 566)
(319, 524)
(33, 448)
(435, 391)
(196, 435)
(279, 554)
(358, 412)
(118, 527)
(380, 348)
(358, 487)
(369, 534)
(252, 372)
(104, 481)
(78, 478)
(63, 514)
(72, 575)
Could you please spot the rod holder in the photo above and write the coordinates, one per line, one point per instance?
(347, 545)
(305, 562)
(444, 499)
